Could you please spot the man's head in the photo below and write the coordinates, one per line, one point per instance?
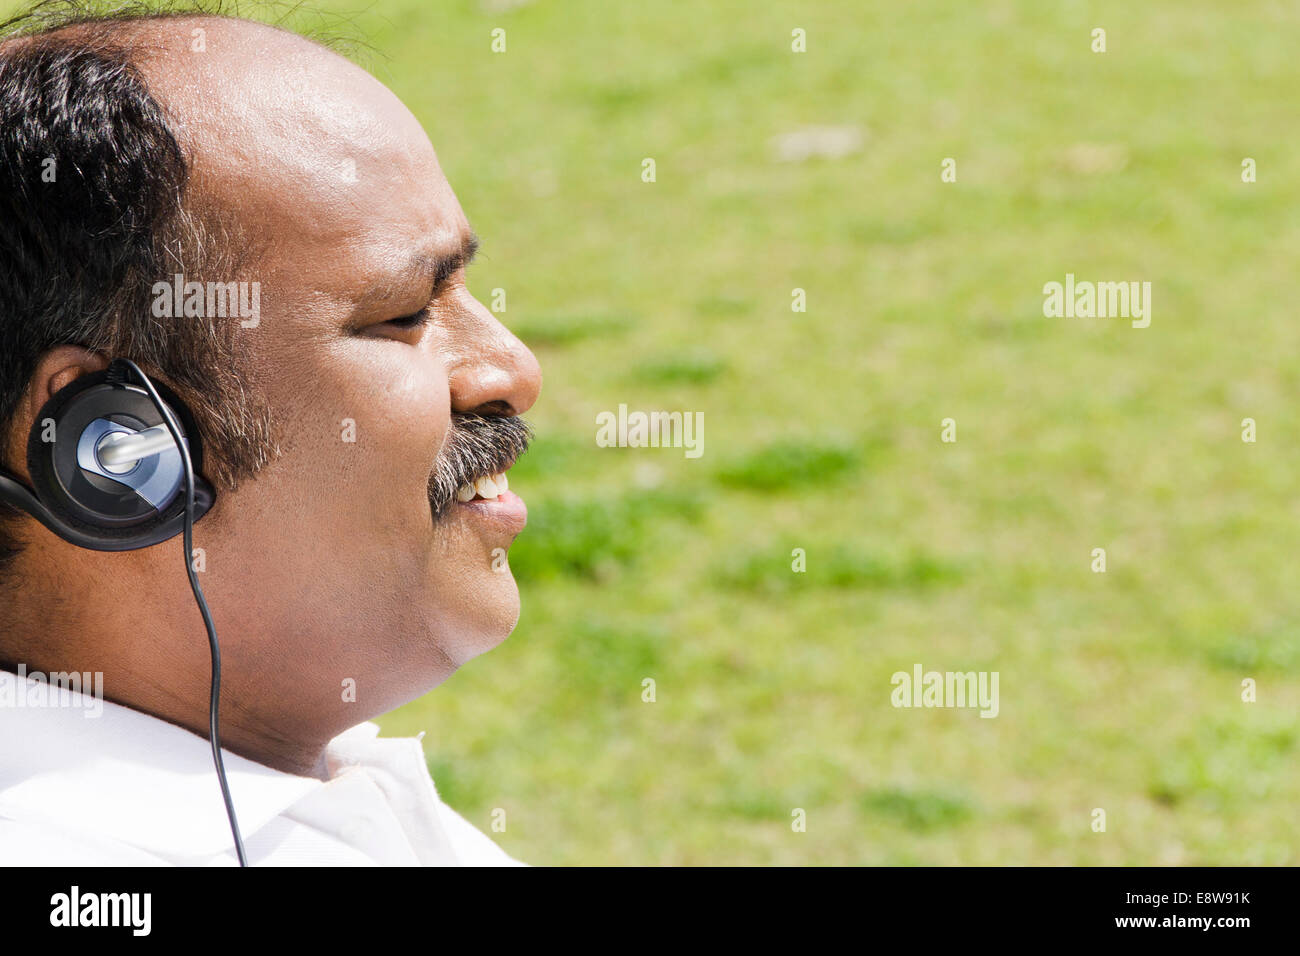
(338, 424)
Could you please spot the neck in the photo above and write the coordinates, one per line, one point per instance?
(155, 659)
(269, 749)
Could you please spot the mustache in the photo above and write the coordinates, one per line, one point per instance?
(476, 446)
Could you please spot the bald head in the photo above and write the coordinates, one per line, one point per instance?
(280, 125)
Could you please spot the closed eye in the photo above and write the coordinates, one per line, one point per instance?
(439, 267)
(410, 321)
(420, 318)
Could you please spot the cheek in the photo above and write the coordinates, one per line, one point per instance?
(392, 424)
(361, 443)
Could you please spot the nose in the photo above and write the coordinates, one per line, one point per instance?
(490, 371)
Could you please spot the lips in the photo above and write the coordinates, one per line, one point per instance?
(489, 499)
(505, 513)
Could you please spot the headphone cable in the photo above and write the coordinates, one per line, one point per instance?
(188, 540)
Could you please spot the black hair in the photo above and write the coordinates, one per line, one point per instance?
(93, 212)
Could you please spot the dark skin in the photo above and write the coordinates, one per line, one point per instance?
(329, 565)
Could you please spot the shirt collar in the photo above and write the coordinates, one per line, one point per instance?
(135, 778)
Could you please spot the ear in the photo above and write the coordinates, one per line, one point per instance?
(58, 367)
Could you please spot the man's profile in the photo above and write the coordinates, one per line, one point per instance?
(358, 410)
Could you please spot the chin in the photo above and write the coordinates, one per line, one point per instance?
(486, 614)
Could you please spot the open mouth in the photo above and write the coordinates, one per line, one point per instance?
(489, 488)
(490, 502)
(469, 474)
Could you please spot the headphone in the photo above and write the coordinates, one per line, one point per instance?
(114, 460)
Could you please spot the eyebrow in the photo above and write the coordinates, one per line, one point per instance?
(434, 268)
(442, 267)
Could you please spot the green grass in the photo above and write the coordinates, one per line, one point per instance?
(1120, 690)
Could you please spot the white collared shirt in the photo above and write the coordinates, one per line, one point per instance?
(124, 788)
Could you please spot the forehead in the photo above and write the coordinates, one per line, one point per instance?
(307, 152)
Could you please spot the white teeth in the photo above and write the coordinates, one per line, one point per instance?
(487, 488)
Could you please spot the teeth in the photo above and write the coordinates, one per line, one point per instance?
(487, 488)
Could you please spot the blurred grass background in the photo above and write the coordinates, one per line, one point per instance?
(1118, 690)
(822, 429)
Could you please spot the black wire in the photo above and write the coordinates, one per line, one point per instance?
(188, 538)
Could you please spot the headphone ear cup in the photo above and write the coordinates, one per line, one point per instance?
(135, 510)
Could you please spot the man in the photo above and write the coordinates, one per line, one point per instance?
(354, 412)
